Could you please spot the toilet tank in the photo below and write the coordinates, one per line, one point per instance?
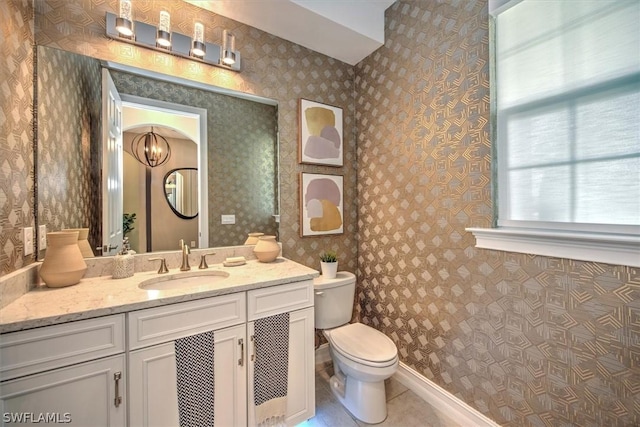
(333, 300)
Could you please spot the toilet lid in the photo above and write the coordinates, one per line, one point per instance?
(358, 341)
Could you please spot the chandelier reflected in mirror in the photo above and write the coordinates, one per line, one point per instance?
(151, 149)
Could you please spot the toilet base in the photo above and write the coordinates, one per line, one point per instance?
(364, 400)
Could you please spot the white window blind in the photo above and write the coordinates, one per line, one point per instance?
(567, 104)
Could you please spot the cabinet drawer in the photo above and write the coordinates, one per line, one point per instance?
(36, 350)
(168, 323)
(279, 299)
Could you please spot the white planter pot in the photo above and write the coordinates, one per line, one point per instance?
(329, 269)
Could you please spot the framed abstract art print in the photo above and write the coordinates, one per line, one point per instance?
(321, 204)
(321, 139)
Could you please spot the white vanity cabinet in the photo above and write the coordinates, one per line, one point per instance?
(152, 382)
(152, 386)
(71, 373)
(153, 393)
(121, 369)
(297, 300)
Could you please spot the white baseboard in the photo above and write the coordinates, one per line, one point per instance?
(439, 398)
(322, 354)
(428, 391)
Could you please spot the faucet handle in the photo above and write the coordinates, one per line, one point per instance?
(203, 260)
(163, 265)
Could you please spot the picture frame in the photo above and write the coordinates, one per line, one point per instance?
(320, 134)
(321, 204)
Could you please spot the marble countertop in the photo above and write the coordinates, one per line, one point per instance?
(101, 296)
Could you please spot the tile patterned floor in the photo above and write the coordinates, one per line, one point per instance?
(405, 408)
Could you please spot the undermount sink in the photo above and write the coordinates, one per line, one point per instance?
(183, 280)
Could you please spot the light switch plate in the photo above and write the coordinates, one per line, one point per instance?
(27, 240)
(227, 219)
(42, 237)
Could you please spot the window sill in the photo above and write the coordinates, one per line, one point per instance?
(598, 247)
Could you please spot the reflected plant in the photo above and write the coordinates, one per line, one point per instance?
(127, 223)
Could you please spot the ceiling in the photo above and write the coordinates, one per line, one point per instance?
(347, 30)
(160, 130)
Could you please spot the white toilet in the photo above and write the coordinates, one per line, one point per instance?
(363, 357)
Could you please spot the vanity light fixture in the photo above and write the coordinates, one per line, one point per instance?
(151, 149)
(198, 48)
(124, 22)
(162, 39)
(228, 55)
(164, 30)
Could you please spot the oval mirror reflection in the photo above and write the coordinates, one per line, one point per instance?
(181, 190)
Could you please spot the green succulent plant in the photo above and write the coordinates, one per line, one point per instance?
(329, 256)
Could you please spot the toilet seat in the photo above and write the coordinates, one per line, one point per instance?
(363, 344)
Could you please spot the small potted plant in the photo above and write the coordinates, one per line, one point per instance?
(329, 264)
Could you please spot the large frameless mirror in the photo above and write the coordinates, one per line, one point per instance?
(241, 142)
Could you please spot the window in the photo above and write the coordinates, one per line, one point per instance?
(566, 102)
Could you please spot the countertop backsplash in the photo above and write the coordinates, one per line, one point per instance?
(103, 266)
(19, 282)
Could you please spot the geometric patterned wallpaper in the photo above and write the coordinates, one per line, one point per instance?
(69, 142)
(527, 340)
(16, 131)
(241, 155)
(271, 67)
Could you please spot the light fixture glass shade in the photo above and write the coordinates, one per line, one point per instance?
(198, 32)
(125, 10)
(198, 47)
(164, 30)
(151, 149)
(124, 21)
(227, 53)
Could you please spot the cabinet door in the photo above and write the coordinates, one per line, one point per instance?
(152, 386)
(83, 395)
(301, 399)
(153, 393)
(301, 372)
(231, 376)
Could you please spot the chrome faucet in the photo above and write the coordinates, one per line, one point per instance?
(185, 256)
